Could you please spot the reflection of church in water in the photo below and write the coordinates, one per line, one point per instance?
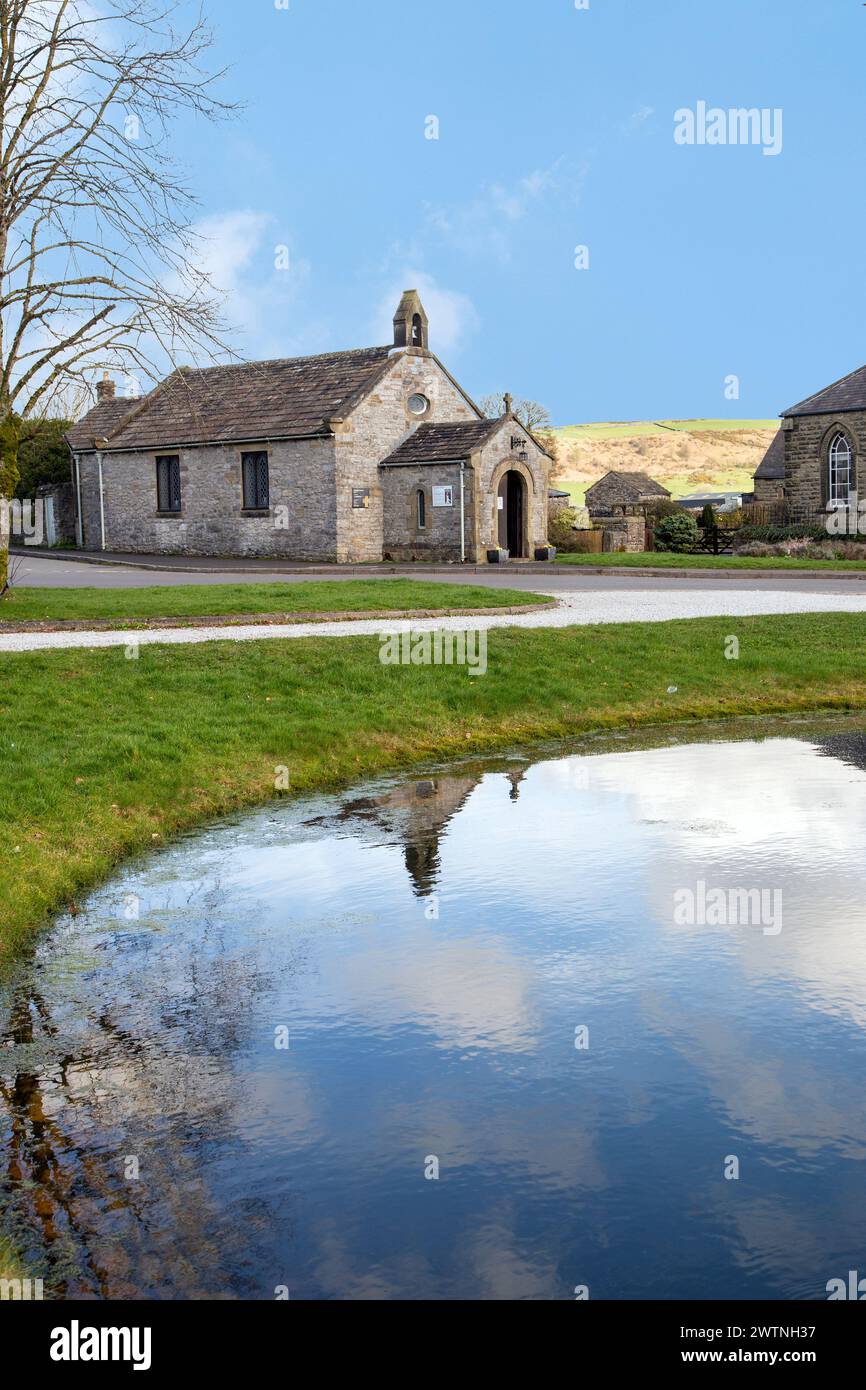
(417, 815)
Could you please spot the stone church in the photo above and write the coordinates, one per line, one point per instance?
(814, 463)
(350, 457)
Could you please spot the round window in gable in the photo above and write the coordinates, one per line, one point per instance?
(418, 404)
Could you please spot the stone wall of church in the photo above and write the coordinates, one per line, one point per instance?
(405, 542)
(300, 524)
(374, 430)
(806, 449)
(329, 498)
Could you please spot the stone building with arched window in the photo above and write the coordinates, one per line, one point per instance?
(818, 459)
(351, 457)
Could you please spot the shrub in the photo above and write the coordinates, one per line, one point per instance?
(803, 548)
(848, 550)
(676, 533)
(773, 535)
(43, 455)
(560, 529)
(708, 518)
(664, 507)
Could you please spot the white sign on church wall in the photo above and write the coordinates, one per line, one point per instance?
(443, 497)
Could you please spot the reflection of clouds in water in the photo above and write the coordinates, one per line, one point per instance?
(278, 1104)
(343, 1273)
(771, 815)
(471, 993)
(493, 1262)
(726, 799)
(539, 1146)
(502, 1266)
(454, 1037)
(761, 1233)
(785, 1100)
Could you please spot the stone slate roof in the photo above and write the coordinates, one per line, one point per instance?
(771, 469)
(244, 402)
(847, 394)
(100, 421)
(624, 488)
(443, 443)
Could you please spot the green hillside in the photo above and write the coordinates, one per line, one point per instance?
(685, 456)
(635, 429)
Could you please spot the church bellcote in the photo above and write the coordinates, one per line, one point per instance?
(411, 324)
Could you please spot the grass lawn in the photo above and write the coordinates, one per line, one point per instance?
(104, 756)
(217, 600)
(657, 559)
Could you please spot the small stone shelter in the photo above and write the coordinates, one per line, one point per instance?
(624, 494)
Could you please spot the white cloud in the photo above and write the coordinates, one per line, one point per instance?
(453, 317)
(637, 120)
(515, 202)
(239, 254)
(485, 225)
(230, 243)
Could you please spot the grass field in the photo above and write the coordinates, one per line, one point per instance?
(104, 756)
(220, 600)
(657, 559)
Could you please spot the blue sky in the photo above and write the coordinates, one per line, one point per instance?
(556, 130)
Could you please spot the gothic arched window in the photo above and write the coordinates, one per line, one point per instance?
(422, 509)
(840, 471)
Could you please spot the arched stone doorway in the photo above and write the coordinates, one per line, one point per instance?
(513, 509)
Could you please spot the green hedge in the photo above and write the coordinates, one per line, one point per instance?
(773, 534)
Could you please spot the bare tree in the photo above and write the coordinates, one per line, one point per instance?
(532, 416)
(98, 261)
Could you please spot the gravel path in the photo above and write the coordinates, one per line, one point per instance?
(624, 606)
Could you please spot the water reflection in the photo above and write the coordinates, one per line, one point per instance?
(430, 947)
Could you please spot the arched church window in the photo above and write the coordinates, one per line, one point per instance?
(841, 471)
(422, 509)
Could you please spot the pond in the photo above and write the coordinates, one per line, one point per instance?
(574, 1021)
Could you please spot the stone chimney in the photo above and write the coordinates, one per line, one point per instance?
(105, 389)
